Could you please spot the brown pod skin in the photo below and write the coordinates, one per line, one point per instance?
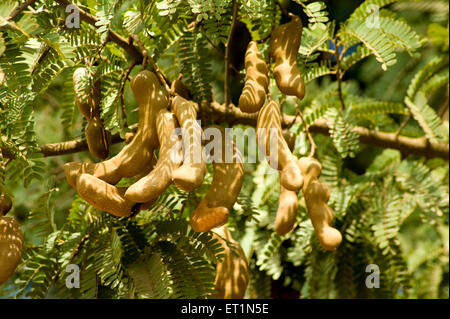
(11, 242)
(287, 211)
(256, 80)
(290, 138)
(170, 158)
(190, 175)
(232, 273)
(97, 138)
(84, 103)
(284, 44)
(316, 197)
(136, 155)
(5, 204)
(179, 88)
(104, 196)
(269, 124)
(214, 208)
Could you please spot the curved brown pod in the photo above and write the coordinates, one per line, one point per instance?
(156, 182)
(192, 172)
(136, 155)
(104, 196)
(268, 128)
(232, 272)
(316, 198)
(97, 138)
(285, 42)
(5, 204)
(256, 80)
(11, 242)
(214, 208)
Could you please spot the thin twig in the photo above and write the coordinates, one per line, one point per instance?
(221, 53)
(227, 54)
(402, 126)
(122, 87)
(19, 9)
(283, 9)
(339, 75)
(147, 58)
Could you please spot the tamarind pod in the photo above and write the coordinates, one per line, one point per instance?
(316, 196)
(285, 42)
(83, 101)
(5, 204)
(97, 138)
(222, 194)
(290, 138)
(268, 127)
(136, 155)
(232, 272)
(104, 196)
(179, 88)
(256, 80)
(287, 211)
(191, 173)
(157, 181)
(11, 242)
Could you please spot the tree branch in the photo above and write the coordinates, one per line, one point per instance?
(19, 9)
(219, 113)
(113, 36)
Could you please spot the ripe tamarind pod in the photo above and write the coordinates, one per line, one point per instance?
(179, 88)
(269, 134)
(232, 272)
(285, 41)
(104, 196)
(11, 241)
(136, 155)
(214, 208)
(5, 204)
(191, 173)
(316, 196)
(290, 138)
(97, 138)
(287, 211)
(84, 102)
(256, 80)
(170, 158)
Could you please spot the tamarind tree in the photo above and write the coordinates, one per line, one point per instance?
(370, 104)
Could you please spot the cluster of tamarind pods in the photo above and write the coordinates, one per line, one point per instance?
(159, 117)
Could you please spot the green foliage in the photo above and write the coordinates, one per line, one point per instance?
(392, 209)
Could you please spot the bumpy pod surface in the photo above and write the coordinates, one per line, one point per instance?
(179, 88)
(170, 158)
(136, 155)
(104, 196)
(316, 196)
(83, 97)
(97, 138)
(284, 45)
(256, 80)
(232, 272)
(5, 204)
(11, 241)
(192, 172)
(268, 135)
(228, 175)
